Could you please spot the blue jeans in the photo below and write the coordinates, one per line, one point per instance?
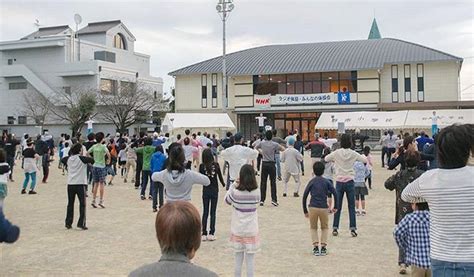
(349, 189)
(278, 166)
(450, 269)
(146, 175)
(27, 180)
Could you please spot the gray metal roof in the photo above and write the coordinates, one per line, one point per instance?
(101, 27)
(49, 31)
(319, 57)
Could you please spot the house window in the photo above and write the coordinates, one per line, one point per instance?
(22, 120)
(104, 56)
(17, 85)
(11, 120)
(108, 86)
(10, 61)
(420, 82)
(407, 79)
(394, 83)
(154, 94)
(203, 91)
(67, 90)
(127, 86)
(214, 90)
(119, 41)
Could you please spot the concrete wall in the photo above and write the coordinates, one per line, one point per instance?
(440, 82)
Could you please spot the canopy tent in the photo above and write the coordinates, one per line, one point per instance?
(197, 121)
(363, 120)
(423, 118)
(394, 120)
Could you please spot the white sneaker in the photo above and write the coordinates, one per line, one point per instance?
(203, 238)
(211, 238)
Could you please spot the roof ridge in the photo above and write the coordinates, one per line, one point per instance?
(53, 27)
(104, 22)
(426, 47)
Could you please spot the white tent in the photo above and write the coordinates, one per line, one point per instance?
(363, 120)
(422, 118)
(197, 122)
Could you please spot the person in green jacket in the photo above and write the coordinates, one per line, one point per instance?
(147, 151)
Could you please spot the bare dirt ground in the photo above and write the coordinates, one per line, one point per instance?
(121, 237)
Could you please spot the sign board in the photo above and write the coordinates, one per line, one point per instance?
(262, 101)
(341, 128)
(344, 97)
(303, 99)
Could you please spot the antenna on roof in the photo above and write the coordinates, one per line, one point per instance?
(37, 23)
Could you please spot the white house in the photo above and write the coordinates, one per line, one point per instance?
(101, 57)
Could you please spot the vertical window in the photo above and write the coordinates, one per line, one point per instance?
(22, 120)
(108, 86)
(203, 91)
(67, 90)
(407, 79)
(10, 61)
(214, 90)
(154, 94)
(394, 83)
(420, 82)
(119, 41)
(11, 120)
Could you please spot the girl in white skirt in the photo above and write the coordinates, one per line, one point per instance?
(244, 197)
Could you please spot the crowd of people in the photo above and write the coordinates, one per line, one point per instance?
(170, 166)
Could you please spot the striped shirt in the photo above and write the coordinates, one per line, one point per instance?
(450, 195)
(244, 222)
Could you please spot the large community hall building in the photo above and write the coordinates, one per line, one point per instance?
(53, 61)
(293, 84)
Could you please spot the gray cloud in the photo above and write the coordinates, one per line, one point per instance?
(179, 33)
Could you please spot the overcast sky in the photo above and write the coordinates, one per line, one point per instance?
(180, 33)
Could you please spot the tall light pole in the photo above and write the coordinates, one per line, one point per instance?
(224, 7)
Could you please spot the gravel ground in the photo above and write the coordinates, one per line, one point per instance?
(121, 237)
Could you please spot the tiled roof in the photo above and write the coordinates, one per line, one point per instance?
(319, 57)
(48, 31)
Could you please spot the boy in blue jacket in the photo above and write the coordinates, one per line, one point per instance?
(157, 164)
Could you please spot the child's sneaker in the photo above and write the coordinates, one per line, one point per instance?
(403, 269)
(211, 238)
(296, 194)
(353, 233)
(203, 238)
(335, 232)
(274, 203)
(93, 204)
(284, 194)
(32, 192)
(364, 212)
(324, 251)
(357, 212)
(261, 204)
(316, 251)
(23, 191)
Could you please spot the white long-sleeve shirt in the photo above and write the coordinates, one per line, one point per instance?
(344, 159)
(237, 156)
(450, 196)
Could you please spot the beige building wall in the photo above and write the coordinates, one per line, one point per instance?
(440, 82)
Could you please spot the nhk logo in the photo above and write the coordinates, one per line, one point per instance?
(264, 101)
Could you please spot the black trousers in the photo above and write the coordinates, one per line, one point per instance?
(80, 191)
(268, 170)
(45, 165)
(259, 161)
(157, 191)
(209, 199)
(138, 174)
